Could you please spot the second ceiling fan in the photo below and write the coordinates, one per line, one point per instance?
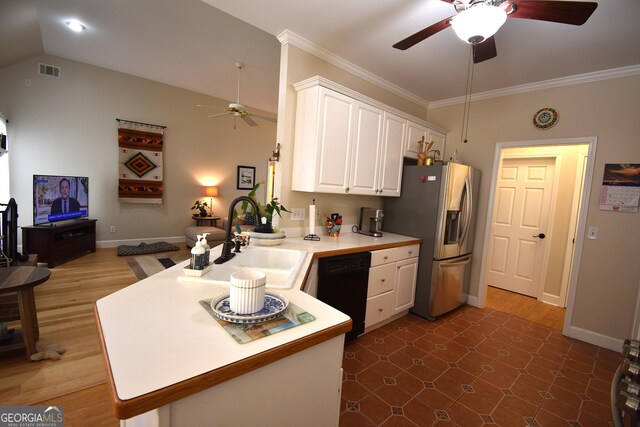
(478, 20)
(240, 110)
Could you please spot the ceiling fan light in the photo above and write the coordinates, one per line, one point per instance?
(478, 23)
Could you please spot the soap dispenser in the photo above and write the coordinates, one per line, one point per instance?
(198, 260)
(207, 248)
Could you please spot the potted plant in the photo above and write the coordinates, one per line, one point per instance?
(267, 211)
(200, 206)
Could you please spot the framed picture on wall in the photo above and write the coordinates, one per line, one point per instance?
(246, 177)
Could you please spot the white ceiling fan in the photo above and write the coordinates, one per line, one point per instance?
(240, 110)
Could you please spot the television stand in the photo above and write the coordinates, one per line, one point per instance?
(55, 245)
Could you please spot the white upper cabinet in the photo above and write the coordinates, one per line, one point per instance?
(347, 143)
(366, 150)
(390, 173)
(415, 133)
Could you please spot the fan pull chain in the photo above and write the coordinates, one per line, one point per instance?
(467, 99)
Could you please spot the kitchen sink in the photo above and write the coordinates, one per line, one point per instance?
(281, 266)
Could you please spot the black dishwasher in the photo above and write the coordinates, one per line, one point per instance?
(342, 283)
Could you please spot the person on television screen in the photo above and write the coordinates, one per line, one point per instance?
(64, 203)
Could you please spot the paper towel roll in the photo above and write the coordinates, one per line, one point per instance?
(312, 219)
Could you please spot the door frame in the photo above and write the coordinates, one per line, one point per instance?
(582, 218)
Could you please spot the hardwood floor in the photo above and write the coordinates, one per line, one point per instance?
(65, 315)
(525, 307)
(78, 380)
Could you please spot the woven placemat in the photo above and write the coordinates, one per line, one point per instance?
(243, 333)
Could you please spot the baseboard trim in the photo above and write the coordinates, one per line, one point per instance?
(113, 243)
(473, 300)
(595, 338)
(551, 299)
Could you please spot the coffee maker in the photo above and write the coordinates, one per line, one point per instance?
(370, 222)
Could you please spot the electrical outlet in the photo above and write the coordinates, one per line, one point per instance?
(592, 233)
(317, 212)
(112, 229)
(297, 214)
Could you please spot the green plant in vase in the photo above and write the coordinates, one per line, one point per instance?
(265, 211)
(201, 206)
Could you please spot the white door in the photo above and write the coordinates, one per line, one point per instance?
(520, 224)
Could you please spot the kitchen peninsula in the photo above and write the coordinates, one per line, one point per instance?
(170, 363)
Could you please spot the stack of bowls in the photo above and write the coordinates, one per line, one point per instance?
(266, 239)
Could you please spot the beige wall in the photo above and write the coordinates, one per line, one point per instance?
(298, 65)
(609, 270)
(67, 126)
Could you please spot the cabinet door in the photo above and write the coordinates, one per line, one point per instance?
(366, 151)
(381, 279)
(334, 142)
(379, 308)
(392, 153)
(406, 276)
(415, 133)
(438, 142)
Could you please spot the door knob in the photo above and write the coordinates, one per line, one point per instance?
(539, 236)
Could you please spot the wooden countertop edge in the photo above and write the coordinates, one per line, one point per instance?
(372, 247)
(129, 408)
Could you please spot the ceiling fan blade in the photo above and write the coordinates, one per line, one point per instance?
(218, 115)
(248, 120)
(485, 50)
(564, 12)
(259, 116)
(423, 34)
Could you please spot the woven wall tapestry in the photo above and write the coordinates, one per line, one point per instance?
(140, 159)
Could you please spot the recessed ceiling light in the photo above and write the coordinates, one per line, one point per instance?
(75, 25)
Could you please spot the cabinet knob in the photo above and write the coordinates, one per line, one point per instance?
(385, 257)
(382, 280)
(380, 310)
(410, 252)
(346, 190)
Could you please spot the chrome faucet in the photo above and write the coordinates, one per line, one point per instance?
(227, 246)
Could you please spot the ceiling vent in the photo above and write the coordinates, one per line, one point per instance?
(49, 70)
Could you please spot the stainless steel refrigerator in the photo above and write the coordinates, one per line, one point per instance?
(437, 205)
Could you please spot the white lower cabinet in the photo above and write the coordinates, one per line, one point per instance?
(392, 283)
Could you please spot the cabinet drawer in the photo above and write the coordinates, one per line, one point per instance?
(379, 308)
(381, 279)
(404, 252)
(385, 256)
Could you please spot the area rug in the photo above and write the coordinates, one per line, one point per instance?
(146, 248)
(145, 266)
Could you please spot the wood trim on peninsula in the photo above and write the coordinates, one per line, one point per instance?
(125, 409)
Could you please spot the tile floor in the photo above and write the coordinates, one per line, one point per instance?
(474, 367)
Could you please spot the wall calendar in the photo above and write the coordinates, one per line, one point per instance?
(620, 187)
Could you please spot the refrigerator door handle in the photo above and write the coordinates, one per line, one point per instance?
(456, 263)
(468, 206)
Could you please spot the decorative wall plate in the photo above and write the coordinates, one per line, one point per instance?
(545, 118)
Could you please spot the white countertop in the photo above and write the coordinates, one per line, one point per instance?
(156, 334)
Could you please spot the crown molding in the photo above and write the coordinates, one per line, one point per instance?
(546, 84)
(289, 37)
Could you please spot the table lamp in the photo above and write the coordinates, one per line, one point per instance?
(211, 191)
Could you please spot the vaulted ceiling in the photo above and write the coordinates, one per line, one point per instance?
(194, 44)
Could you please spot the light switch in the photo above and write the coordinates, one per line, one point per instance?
(297, 214)
(592, 233)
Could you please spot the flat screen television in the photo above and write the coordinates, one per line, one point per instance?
(59, 198)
